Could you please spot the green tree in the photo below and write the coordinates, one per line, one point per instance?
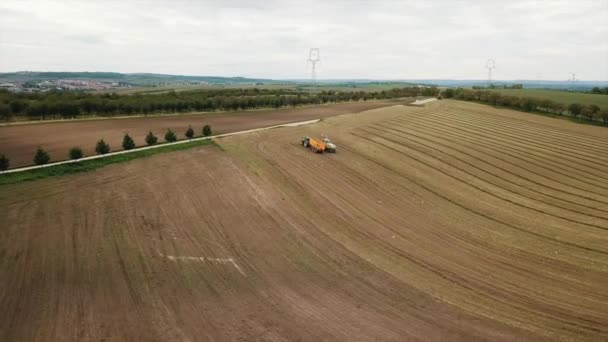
(547, 105)
(41, 157)
(75, 153)
(588, 113)
(127, 142)
(102, 147)
(604, 115)
(151, 139)
(575, 109)
(189, 132)
(494, 98)
(207, 130)
(529, 104)
(170, 136)
(559, 108)
(4, 163)
(5, 112)
(594, 108)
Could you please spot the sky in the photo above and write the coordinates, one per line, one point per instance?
(415, 39)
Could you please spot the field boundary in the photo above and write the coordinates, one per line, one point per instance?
(139, 149)
(165, 115)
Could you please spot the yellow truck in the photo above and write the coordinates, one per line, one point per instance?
(319, 145)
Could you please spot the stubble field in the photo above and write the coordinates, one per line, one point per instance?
(455, 221)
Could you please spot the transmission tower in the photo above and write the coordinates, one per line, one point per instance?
(314, 57)
(572, 80)
(490, 64)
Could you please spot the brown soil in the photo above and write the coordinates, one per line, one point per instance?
(19, 142)
(451, 222)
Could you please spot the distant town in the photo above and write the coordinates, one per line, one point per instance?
(62, 84)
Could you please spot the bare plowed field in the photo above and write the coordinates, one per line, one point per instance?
(19, 142)
(455, 221)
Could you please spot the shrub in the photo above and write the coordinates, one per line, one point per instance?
(207, 130)
(575, 109)
(588, 112)
(4, 162)
(41, 157)
(102, 147)
(127, 142)
(75, 153)
(189, 132)
(151, 139)
(604, 116)
(170, 136)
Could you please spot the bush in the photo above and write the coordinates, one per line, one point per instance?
(575, 109)
(75, 153)
(4, 162)
(151, 139)
(207, 130)
(127, 142)
(588, 112)
(189, 132)
(170, 136)
(102, 147)
(41, 157)
(604, 116)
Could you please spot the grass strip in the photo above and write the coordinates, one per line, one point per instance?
(89, 165)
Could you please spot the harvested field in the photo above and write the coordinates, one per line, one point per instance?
(19, 142)
(454, 221)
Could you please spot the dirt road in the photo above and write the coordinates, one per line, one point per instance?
(19, 142)
(451, 222)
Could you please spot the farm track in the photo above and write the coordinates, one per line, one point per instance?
(428, 224)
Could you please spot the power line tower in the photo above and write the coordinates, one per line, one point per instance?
(490, 64)
(314, 57)
(573, 80)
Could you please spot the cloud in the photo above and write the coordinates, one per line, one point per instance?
(358, 39)
(86, 38)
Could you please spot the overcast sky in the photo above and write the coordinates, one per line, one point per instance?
(358, 39)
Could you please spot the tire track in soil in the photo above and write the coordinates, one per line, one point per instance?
(536, 142)
(516, 143)
(506, 149)
(450, 147)
(485, 191)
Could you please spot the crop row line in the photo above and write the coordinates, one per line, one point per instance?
(468, 209)
(545, 135)
(490, 193)
(514, 141)
(528, 124)
(508, 150)
(537, 142)
(492, 175)
(485, 145)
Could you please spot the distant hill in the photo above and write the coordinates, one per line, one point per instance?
(540, 84)
(140, 79)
